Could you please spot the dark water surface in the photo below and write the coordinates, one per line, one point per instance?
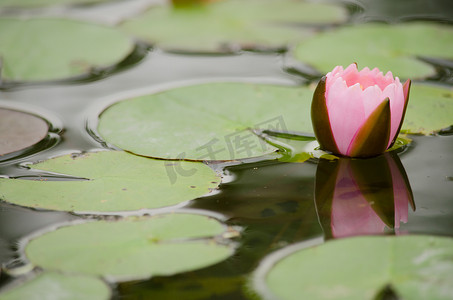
(273, 202)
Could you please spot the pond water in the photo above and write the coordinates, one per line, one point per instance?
(272, 202)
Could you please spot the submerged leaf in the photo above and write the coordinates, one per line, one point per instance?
(132, 248)
(117, 181)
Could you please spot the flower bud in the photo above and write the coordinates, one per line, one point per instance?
(358, 113)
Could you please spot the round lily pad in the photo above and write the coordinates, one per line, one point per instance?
(132, 248)
(42, 3)
(412, 267)
(216, 121)
(50, 49)
(206, 122)
(229, 24)
(388, 47)
(52, 285)
(430, 109)
(19, 130)
(404, 10)
(110, 181)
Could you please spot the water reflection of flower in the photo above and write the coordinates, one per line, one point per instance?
(362, 196)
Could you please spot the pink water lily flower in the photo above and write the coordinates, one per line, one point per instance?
(358, 113)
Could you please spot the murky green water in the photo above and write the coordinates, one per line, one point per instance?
(273, 202)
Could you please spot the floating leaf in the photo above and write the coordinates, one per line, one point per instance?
(132, 248)
(117, 181)
(41, 3)
(430, 109)
(50, 49)
(404, 10)
(388, 47)
(221, 26)
(19, 130)
(413, 267)
(206, 122)
(52, 285)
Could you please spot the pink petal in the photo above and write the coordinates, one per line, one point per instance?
(372, 97)
(396, 95)
(405, 88)
(336, 70)
(346, 112)
(388, 78)
(351, 75)
(375, 72)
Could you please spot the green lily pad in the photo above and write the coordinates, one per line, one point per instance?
(226, 25)
(404, 10)
(52, 285)
(132, 248)
(430, 109)
(42, 3)
(413, 267)
(117, 181)
(389, 47)
(50, 49)
(19, 130)
(206, 122)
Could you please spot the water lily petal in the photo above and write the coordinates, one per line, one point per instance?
(394, 92)
(372, 97)
(372, 137)
(383, 81)
(335, 71)
(351, 75)
(406, 88)
(320, 118)
(346, 113)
